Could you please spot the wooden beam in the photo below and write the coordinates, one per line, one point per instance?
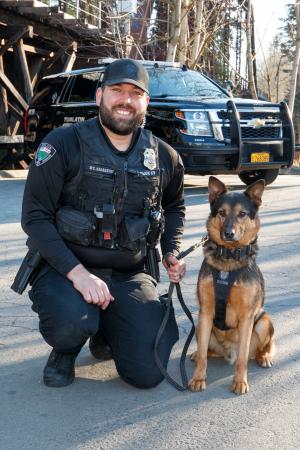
(3, 90)
(22, 32)
(35, 69)
(27, 3)
(6, 82)
(12, 3)
(60, 52)
(47, 31)
(15, 139)
(61, 16)
(7, 31)
(43, 11)
(4, 102)
(23, 164)
(18, 112)
(16, 128)
(69, 63)
(35, 50)
(24, 70)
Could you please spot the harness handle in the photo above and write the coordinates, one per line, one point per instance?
(159, 364)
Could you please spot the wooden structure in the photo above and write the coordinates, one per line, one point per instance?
(36, 40)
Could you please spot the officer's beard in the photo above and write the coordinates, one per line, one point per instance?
(119, 126)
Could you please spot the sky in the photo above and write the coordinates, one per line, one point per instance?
(267, 14)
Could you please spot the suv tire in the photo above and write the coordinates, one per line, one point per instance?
(269, 175)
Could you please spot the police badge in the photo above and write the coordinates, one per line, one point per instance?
(150, 158)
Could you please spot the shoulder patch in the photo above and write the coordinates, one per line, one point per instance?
(44, 153)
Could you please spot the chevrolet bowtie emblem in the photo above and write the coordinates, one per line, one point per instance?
(256, 123)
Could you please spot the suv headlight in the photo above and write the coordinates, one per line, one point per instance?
(196, 123)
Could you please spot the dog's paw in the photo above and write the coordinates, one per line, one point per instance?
(197, 385)
(264, 361)
(240, 387)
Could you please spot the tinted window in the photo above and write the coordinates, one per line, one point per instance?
(48, 91)
(179, 83)
(83, 87)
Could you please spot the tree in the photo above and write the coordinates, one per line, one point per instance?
(196, 46)
(200, 33)
(203, 34)
(274, 72)
(252, 85)
(289, 41)
(295, 61)
(175, 26)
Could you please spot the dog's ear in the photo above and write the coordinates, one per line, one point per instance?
(215, 189)
(255, 192)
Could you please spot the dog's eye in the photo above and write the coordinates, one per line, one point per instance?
(221, 212)
(242, 214)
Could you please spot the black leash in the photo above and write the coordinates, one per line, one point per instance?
(159, 364)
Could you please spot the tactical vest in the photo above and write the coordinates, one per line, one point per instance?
(107, 204)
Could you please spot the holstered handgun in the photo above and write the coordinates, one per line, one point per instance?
(153, 258)
(26, 271)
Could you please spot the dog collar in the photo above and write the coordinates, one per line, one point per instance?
(238, 253)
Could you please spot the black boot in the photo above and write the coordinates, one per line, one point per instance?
(99, 347)
(59, 370)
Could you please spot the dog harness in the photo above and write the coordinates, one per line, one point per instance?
(223, 282)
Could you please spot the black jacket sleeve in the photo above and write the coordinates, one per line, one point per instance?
(172, 199)
(46, 177)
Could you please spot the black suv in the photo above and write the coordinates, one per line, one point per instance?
(213, 132)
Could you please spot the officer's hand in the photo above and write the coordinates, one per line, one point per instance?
(93, 289)
(175, 267)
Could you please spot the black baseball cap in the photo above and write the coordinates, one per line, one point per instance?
(126, 71)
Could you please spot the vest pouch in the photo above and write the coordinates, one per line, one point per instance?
(76, 226)
(141, 186)
(132, 230)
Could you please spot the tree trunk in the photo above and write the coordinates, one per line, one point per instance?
(175, 13)
(252, 86)
(184, 32)
(296, 62)
(197, 31)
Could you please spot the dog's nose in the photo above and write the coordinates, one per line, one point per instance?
(229, 234)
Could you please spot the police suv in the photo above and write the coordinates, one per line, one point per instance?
(213, 132)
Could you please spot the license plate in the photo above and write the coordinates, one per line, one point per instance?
(260, 157)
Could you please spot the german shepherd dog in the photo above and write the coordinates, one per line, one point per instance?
(230, 289)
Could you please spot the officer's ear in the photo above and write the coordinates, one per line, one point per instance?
(99, 93)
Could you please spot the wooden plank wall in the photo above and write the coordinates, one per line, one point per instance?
(34, 41)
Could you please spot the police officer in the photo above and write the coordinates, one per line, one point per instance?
(91, 198)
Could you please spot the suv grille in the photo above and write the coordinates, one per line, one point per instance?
(254, 133)
(271, 130)
(248, 115)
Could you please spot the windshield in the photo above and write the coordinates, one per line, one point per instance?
(180, 83)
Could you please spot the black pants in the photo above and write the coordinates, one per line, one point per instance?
(129, 324)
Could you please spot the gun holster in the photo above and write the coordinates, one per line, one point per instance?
(26, 272)
(152, 260)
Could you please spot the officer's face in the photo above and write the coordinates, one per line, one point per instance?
(122, 107)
